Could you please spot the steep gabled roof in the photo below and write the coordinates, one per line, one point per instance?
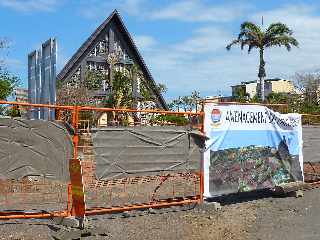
(115, 16)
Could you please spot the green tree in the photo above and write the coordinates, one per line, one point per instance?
(254, 99)
(135, 75)
(277, 98)
(8, 81)
(7, 84)
(121, 96)
(254, 37)
(187, 103)
(4, 44)
(240, 95)
(175, 104)
(162, 88)
(94, 79)
(307, 101)
(74, 95)
(195, 98)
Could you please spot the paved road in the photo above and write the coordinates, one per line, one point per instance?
(311, 143)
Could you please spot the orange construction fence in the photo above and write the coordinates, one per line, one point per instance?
(76, 193)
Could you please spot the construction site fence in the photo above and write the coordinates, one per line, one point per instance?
(34, 196)
(118, 194)
(108, 195)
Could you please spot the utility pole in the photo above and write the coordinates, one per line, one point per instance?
(262, 89)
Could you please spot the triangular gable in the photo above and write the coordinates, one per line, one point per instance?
(116, 18)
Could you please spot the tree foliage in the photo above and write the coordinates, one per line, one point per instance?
(121, 85)
(278, 98)
(162, 88)
(186, 103)
(307, 99)
(94, 79)
(172, 119)
(254, 37)
(121, 95)
(240, 95)
(8, 82)
(74, 95)
(4, 44)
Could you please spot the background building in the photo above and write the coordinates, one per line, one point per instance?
(275, 85)
(110, 48)
(21, 95)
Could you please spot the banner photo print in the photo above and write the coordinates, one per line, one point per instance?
(250, 147)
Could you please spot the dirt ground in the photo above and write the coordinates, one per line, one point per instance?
(257, 216)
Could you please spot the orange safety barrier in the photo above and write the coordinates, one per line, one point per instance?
(79, 187)
(86, 196)
(37, 197)
(124, 194)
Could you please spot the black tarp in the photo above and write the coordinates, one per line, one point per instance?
(144, 150)
(34, 148)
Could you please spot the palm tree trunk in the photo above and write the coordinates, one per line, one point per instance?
(262, 75)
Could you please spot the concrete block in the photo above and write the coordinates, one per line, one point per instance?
(67, 221)
(298, 193)
(215, 205)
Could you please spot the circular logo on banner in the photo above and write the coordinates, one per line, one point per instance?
(215, 115)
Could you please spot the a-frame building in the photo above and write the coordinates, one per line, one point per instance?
(110, 37)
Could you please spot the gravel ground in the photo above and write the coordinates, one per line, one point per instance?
(252, 216)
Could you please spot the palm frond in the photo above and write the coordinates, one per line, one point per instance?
(284, 40)
(250, 35)
(278, 29)
(252, 46)
(234, 42)
(279, 34)
(249, 26)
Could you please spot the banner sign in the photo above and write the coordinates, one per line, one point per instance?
(250, 147)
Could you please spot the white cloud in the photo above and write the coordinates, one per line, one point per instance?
(205, 40)
(304, 22)
(144, 42)
(200, 61)
(182, 10)
(132, 7)
(199, 11)
(31, 5)
(193, 63)
(93, 9)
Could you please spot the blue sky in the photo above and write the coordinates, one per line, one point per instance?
(183, 42)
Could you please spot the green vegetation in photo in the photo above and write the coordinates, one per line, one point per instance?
(255, 37)
(171, 119)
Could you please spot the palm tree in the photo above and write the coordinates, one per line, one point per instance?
(253, 36)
